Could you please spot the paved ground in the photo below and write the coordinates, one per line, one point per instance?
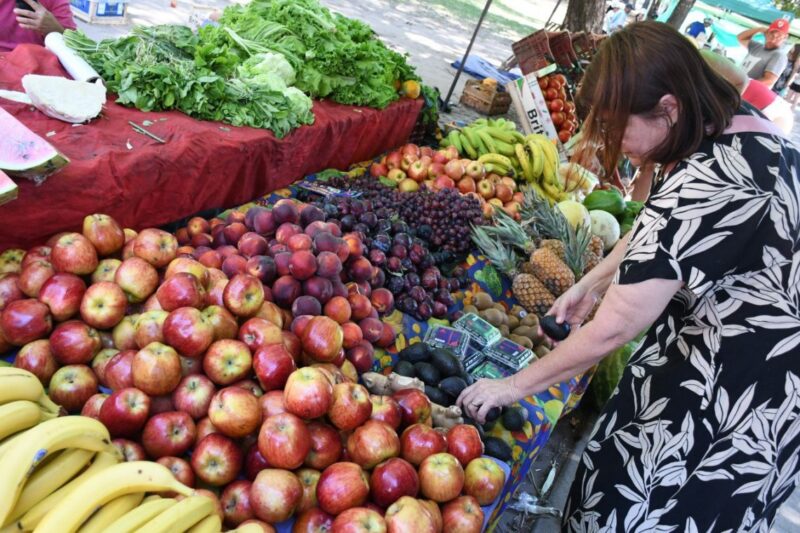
(434, 38)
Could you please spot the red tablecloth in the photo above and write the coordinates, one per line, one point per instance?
(203, 165)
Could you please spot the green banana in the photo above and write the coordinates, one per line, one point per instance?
(500, 134)
(468, 147)
(500, 170)
(504, 148)
(455, 140)
(487, 140)
(473, 139)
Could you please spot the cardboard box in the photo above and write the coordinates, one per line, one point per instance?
(101, 11)
(531, 107)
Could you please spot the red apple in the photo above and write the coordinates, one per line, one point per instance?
(123, 336)
(257, 333)
(273, 364)
(326, 446)
(93, 405)
(409, 515)
(187, 330)
(216, 460)
(100, 362)
(463, 515)
(9, 289)
(420, 441)
(484, 480)
(418, 171)
(137, 278)
(243, 295)
(271, 404)
(235, 500)
(254, 462)
(222, 321)
(62, 293)
(35, 254)
(359, 520)
(129, 450)
(308, 479)
(72, 385)
(227, 361)
(161, 404)
(235, 412)
(362, 356)
(392, 479)
(342, 486)
(118, 373)
(37, 358)
(197, 225)
(74, 342)
(33, 276)
(180, 468)
(24, 321)
(378, 169)
(441, 477)
(313, 521)
(372, 443)
(104, 233)
(125, 412)
(103, 305)
(181, 290)
(307, 393)
(350, 406)
(193, 395)
(169, 433)
(155, 246)
(205, 428)
(73, 253)
(464, 442)
(322, 339)
(415, 405)
(156, 369)
(275, 494)
(189, 265)
(149, 327)
(284, 441)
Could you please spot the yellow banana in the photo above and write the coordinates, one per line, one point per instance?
(495, 158)
(49, 478)
(537, 158)
(549, 149)
(37, 443)
(524, 162)
(210, 524)
(110, 512)
(487, 140)
(181, 516)
(113, 482)
(17, 416)
(19, 384)
(48, 405)
(32, 518)
(494, 168)
(133, 520)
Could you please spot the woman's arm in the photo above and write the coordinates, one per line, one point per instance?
(622, 315)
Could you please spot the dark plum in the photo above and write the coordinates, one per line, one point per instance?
(306, 305)
(370, 219)
(378, 278)
(318, 287)
(359, 269)
(444, 297)
(302, 264)
(399, 227)
(311, 213)
(424, 311)
(348, 221)
(285, 211)
(393, 264)
(411, 279)
(400, 251)
(328, 265)
(325, 242)
(418, 293)
(402, 238)
(409, 305)
(377, 257)
(395, 284)
(382, 242)
(282, 263)
(439, 310)
(285, 291)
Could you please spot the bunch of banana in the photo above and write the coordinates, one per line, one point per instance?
(23, 404)
(538, 157)
(490, 139)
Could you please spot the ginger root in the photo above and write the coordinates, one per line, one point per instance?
(384, 385)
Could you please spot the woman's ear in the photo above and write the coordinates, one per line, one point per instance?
(669, 105)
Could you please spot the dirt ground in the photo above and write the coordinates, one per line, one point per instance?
(434, 34)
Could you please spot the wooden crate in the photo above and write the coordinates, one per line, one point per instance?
(485, 99)
(101, 11)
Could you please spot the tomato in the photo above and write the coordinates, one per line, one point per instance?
(558, 118)
(550, 94)
(569, 106)
(568, 125)
(564, 136)
(556, 105)
(553, 83)
(561, 78)
(543, 84)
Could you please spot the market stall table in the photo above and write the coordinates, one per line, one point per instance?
(202, 165)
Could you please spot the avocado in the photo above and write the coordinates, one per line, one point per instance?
(415, 353)
(446, 362)
(453, 386)
(493, 414)
(427, 373)
(497, 448)
(404, 368)
(437, 396)
(488, 426)
(513, 418)
(553, 329)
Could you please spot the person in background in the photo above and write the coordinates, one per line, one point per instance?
(782, 85)
(793, 95)
(612, 9)
(765, 62)
(753, 92)
(18, 26)
(619, 18)
(700, 31)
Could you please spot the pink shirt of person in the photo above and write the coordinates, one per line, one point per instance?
(12, 34)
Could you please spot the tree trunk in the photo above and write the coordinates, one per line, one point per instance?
(679, 15)
(585, 15)
(652, 13)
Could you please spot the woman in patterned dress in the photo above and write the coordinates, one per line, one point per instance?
(703, 431)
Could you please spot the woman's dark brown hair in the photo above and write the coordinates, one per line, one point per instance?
(633, 69)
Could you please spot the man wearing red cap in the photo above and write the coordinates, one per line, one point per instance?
(765, 62)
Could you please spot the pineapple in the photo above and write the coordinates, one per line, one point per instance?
(596, 246)
(555, 245)
(509, 231)
(552, 271)
(591, 260)
(529, 291)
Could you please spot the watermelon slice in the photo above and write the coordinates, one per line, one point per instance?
(8, 189)
(25, 154)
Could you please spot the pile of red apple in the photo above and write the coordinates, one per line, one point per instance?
(232, 352)
(561, 107)
(412, 166)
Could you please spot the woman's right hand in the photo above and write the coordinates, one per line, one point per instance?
(574, 305)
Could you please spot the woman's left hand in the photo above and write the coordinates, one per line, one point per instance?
(477, 399)
(39, 19)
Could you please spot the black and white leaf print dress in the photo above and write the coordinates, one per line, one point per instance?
(703, 431)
